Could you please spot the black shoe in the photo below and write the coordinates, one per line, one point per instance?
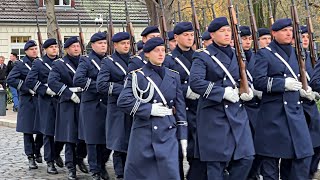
(51, 169)
(32, 163)
(59, 162)
(82, 166)
(96, 176)
(120, 177)
(105, 175)
(72, 175)
(39, 158)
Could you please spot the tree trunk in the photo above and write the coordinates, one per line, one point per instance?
(155, 13)
(258, 13)
(51, 19)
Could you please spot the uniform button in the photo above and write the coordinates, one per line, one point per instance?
(187, 108)
(224, 78)
(298, 75)
(100, 100)
(186, 82)
(170, 127)
(226, 106)
(285, 102)
(301, 102)
(256, 103)
(154, 101)
(285, 75)
(298, 102)
(240, 105)
(155, 127)
(171, 101)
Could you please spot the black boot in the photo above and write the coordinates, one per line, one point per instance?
(51, 169)
(32, 163)
(72, 174)
(82, 166)
(59, 162)
(39, 158)
(95, 176)
(104, 174)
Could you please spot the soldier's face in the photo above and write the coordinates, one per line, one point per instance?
(157, 55)
(74, 49)
(32, 52)
(283, 36)
(100, 47)
(185, 39)
(264, 41)
(123, 47)
(52, 50)
(172, 44)
(246, 42)
(206, 43)
(1, 61)
(305, 40)
(222, 37)
(149, 36)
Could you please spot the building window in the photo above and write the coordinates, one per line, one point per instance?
(17, 45)
(20, 39)
(60, 3)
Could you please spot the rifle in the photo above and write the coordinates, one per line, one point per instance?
(213, 12)
(271, 19)
(59, 39)
(179, 11)
(195, 22)
(133, 44)
(39, 38)
(204, 15)
(163, 27)
(81, 38)
(254, 28)
(244, 86)
(298, 45)
(110, 33)
(312, 44)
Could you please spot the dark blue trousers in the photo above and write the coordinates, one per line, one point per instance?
(255, 168)
(197, 170)
(32, 145)
(314, 162)
(51, 149)
(119, 160)
(73, 152)
(98, 155)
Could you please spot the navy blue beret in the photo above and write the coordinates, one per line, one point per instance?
(49, 42)
(281, 23)
(218, 23)
(70, 41)
(263, 31)
(139, 45)
(29, 44)
(152, 43)
(149, 30)
(171, 35)
(120, 36)
(206, 36)
(98, 36)
(304, 29)
(245, 31)
(182, 27)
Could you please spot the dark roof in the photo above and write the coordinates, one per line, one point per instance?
(24, 11)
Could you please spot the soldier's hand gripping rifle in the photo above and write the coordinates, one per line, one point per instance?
(110, 34)
(133, 44)
(195, 22)
(39, 38)
(163, 27)
(81, 38)
(312, 44)
(244, 86)
(299, 46)
(254, 28)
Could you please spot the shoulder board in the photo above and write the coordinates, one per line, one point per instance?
(174, 71)
(59, 60)
(201, 49)
(169, 54)
(133, 56)
(137, 70)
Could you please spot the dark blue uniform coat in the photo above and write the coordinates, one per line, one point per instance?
(93, 107)
(136, 62)
(281, 130)
(110, 82)
(223, 131)
(37, 80)
(153, 144)
(28, 116)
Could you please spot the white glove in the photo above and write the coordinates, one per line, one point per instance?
(32, 92)
(231, 94)
(184, 145)
(257, 93)
(192, 95)
(75, 98)
(307, 94)
(50, 92)
(158, 109)
(316, 95)
(247, 96)
(292, 85)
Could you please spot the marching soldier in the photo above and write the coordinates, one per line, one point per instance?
(60, 81)
(110, 82)
(153, 96)
(281, 130)
(206, 39)
(224, 138)
(28, 115)
(93, 107)
(264, 38)
(172, 41)
(37, 81)
(139, 61)
(180, 60)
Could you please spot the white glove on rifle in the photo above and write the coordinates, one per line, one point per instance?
(50, 92)
(307, 93)
(158, 109)
(75, 98)
(247, 96)
(192, 95)
(316, 95)
(184, 145)
(292, 85)
(32, 92)
(231, 94)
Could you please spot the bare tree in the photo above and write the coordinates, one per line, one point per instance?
(51, 19)
(153, 7)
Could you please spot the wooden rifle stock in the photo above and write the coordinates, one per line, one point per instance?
(312, 45)
(163, 27)
(81, 38)
(39, 38)
(195, 22)
(254, 28)
(133, 44)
